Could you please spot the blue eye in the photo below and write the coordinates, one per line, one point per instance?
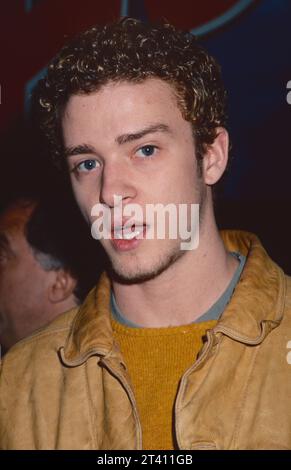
(87, 165)
(147, 151)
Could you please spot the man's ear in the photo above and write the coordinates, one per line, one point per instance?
(62, 286)
(216, 157)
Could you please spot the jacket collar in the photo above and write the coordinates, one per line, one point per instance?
(257, 304)
(255, 309)
(91, 331)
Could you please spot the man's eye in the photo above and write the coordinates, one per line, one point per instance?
(146, 151)
(86, 165)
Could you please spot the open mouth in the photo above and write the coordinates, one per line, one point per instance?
(128, 232)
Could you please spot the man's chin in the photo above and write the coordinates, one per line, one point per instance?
(123, 277)
(136, 275)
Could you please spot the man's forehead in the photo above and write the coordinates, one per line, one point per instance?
(132, 110)
(148, 85)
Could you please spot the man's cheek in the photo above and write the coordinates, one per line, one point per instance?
(81, 202)
(86, 213)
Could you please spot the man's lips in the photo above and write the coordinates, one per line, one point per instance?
(128, 238)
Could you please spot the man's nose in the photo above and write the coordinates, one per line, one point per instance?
(116, 181)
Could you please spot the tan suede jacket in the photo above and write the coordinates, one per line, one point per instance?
(67, 387)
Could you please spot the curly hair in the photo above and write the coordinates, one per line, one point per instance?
(129, 50)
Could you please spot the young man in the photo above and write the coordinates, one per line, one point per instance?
(176, 348)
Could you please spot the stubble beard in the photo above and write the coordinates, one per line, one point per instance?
(140, 274)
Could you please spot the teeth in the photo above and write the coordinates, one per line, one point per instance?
(128, 235)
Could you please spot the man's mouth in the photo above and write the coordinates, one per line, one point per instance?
(128, 232)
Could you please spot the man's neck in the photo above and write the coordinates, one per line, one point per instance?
(182, 293)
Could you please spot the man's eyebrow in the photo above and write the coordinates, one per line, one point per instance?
(122, 139)
(125, 138)
(79, 150)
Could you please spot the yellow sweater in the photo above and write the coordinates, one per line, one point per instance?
(156, 359)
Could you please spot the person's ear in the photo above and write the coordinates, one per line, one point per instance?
(62, 286)
(216, 157)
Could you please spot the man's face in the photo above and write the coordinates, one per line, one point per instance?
(22, 280)
(131, 140)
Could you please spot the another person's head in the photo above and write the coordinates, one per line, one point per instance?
(41, 273)
(137, 111)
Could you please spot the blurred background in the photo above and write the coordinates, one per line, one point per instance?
(251, 40)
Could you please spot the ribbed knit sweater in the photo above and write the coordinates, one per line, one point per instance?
(156, 359)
